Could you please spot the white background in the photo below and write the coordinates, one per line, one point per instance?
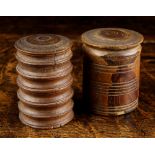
(79, 146)
(77, 7)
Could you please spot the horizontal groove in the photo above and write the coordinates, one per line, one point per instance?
(46, 123)
(128, 66)
(55, 100)
(113, 86)
(50, 60)
(110, 69)
(107, 110)
(117, 93)
(41, 76)
(51, 112)
(101, 106)
(58, 88)
(114, 83)
(44, 69)
(115, 89)
(106, 71)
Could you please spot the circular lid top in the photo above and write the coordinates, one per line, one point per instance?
(112, 38)
(43, 44)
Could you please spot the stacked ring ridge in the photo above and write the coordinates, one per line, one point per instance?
(44, 80)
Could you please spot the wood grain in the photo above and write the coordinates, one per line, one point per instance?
(139, 123)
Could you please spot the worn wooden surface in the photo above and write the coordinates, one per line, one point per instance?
(140, 123)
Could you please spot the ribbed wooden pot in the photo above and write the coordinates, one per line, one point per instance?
(111, 70)
(44, 80)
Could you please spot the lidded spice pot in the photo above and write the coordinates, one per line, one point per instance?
(44, 80)
(111, 70)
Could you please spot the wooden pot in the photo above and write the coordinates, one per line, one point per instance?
(44, 80)
(111, 70)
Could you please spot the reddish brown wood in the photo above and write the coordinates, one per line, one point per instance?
(44, 80)
(111, 70)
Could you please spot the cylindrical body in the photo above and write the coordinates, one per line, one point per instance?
(111, 70)
(44, 80)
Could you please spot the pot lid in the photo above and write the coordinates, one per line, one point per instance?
(43, 44)
(112, 38)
